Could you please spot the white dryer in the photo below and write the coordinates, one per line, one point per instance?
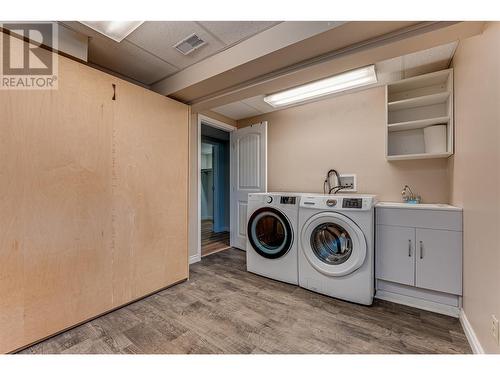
(272, 235)
(336, 249)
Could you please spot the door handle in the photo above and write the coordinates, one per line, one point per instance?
(409, 248)
(421, 250)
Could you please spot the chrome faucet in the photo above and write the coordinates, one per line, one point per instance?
(408, 196)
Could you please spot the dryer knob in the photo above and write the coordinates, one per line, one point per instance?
(331, 202)
(269, 199)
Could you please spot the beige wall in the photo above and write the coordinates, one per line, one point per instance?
(346, 133)
(475, 175)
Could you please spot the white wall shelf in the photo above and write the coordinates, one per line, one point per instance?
(419, 101)
(417, 124)
(414, 104)
(419, 156)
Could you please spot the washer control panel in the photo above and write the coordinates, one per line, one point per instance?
(331, 202)
(338, 202)
(288, 200)
(352, 203)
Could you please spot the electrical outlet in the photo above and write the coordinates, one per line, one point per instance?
(349, 182)
(494, 329)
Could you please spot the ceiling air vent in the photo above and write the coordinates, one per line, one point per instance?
(189, 44)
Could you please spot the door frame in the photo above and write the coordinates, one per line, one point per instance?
(205, 120)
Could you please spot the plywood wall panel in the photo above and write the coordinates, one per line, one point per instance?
(93, 201)
(150, 164)
(11, 227)
(56, 148)
(66, 229)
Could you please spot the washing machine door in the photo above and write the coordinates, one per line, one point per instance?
(270, 232)
(333, 244)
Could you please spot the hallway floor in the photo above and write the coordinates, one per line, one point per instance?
(212, 242)
(223, 308)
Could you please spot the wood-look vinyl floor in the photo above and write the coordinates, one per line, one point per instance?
(225, 309)
(212, 242)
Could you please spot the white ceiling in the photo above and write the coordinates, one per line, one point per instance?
(147, 54)
(417, 63)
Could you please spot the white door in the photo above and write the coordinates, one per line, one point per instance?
(395, 259)
(439, 260)
(248, 175)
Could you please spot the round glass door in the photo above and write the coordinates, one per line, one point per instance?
(269, 233)
(333, 244)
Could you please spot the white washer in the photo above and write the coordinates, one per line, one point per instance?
(272, 235)
(336, 249)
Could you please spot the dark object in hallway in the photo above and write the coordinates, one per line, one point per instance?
(212, 242)
(225, 309)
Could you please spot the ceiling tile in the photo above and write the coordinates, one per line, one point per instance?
(123, 57)
(159, 37)
(231, 32)
(258, 103)
(127, 59)
(237, 110)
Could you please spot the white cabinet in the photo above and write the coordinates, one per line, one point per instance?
(439, 260)
(418, 257)
(395, 259)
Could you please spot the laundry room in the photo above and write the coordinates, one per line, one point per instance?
(272, 185)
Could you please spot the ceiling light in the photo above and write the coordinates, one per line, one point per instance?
(116, 30)
(337, 83)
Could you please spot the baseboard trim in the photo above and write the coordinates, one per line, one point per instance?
(194, 258)
(470, 334)
(418, 303)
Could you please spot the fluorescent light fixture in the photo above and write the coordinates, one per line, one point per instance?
(337, 83)
(116, 30)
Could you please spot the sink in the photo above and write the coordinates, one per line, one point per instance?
(419, 206)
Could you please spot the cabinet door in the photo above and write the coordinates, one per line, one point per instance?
(394, 254)
(439, 260)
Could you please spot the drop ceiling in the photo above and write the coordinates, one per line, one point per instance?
(410, 65)
(147, 54)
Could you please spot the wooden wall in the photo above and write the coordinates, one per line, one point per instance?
(93, 201)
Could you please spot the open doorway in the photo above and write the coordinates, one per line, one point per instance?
(231, 163)
(214, 192)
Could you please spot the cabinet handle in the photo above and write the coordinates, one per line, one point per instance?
(409, 248)
(421, 250)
